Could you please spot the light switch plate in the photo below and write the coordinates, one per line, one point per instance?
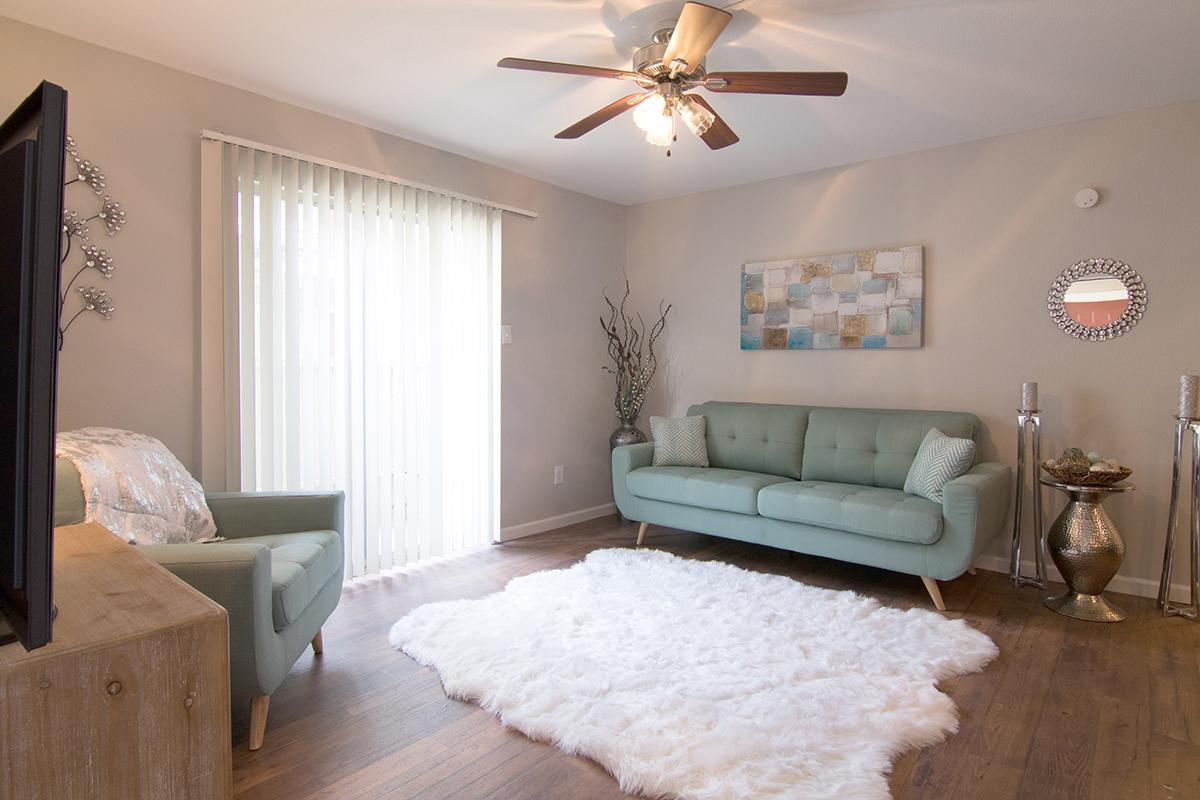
(506, 334)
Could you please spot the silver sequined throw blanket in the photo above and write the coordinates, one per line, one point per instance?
(134, 486)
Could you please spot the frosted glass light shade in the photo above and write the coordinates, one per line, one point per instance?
(663, 133)
(695, 116)
(655, 116)
(649, 113)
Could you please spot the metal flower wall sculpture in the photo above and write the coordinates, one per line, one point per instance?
(76, 232)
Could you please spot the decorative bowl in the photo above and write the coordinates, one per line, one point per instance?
(1079, 475)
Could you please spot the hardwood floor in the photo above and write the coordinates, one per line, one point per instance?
(1068, 710)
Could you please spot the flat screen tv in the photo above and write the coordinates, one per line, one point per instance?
(32, 149)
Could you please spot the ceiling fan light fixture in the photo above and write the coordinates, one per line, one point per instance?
(675, 61)
(649, 113)
(655, 117)
(698, 118)
(663, 133)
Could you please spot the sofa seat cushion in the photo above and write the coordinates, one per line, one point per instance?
(720, 489)
(301, 563)
(866, 510)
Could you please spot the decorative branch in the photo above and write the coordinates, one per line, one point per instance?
(75, 227)
(631, 348)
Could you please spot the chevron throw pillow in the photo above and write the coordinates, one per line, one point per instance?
(939, 460)
(679, 441)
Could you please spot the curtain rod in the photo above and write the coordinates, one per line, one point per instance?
(217, 136)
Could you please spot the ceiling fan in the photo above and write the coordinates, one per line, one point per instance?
(670, 69)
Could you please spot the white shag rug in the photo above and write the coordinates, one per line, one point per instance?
(692, 679)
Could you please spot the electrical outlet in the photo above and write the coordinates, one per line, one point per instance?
(558, 475)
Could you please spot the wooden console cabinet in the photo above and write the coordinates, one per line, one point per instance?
(131, 699)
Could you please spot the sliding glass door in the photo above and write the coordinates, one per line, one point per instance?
(365, 316)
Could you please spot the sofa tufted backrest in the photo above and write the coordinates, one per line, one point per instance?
(868, 447)
(755, 437)
(874, 448)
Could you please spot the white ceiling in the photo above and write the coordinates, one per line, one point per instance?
(923, 73)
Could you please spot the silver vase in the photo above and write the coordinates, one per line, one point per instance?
(626, 434)
(1088, 551)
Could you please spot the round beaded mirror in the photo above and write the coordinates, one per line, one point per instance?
(1097, 299)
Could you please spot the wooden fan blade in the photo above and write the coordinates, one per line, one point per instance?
(698, 27)
(567, 69)
(718, 134)
(595, 120)
(828, 84)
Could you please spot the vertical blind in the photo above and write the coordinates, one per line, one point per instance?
(362, 351)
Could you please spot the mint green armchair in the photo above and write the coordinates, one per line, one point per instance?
(278, 575)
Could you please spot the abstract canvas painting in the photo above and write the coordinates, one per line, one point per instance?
(871, 299)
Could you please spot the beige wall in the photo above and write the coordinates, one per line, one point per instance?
(997, 220)
(995, 216)
(141, 122)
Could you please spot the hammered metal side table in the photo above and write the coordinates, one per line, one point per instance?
(1087, 549)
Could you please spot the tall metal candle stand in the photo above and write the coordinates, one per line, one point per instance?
(1183, 424)
(1029, 426)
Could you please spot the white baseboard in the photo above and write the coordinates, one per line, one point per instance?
(1139, 587)
(550, 523)
(1125, 584)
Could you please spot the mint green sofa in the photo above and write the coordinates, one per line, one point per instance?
(278, 575)
(823, 481)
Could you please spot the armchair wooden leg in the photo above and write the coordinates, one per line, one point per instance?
(258, 719)
(934, 592)
(642, 532)
(318, 644)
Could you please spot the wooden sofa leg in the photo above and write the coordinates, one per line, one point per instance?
(642, 533)
(934, 592)
(318, 644)
(258, 719)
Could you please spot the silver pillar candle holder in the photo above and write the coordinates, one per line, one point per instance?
(1029, 428)
(1189, 397)
(1183, 424)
